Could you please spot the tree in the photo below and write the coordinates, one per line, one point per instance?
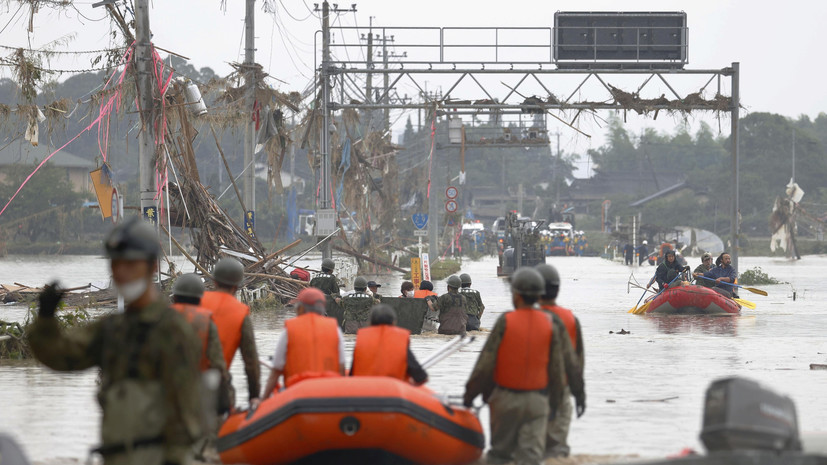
(43, 206)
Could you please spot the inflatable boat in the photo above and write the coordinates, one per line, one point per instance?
(690, 299)
(352, 420)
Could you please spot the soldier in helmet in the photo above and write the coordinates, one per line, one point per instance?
(356, 307)
(452, 309)
(232, 318)
(569, 326)
(520, 374)
(474, 302)
(149, 388)
(325, 281)
(186, 300)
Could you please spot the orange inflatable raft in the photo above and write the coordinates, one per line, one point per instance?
(352, 420)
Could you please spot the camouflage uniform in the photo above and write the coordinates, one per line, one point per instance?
(474, 309)
(701, 281)
(559, 421)
(326, 283)
(535, 406)
(356, 309)
(451, 307)
(150, 390)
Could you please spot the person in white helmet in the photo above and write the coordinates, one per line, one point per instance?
(642, 252)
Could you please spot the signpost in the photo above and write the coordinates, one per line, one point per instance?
(426, 267)
(451, 192)
(420, 220)
(416, 272)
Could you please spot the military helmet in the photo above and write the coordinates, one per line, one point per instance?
(360, 283)
(549, 274)
(229, 272)
(454, 282)
(328, 264)
(527, 282)
(188, 285)
(465, 278)
(133, 239)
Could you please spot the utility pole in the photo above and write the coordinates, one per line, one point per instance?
(386, 100)
(146, 141)
(249, 131)
(735, 220)
(554, 174)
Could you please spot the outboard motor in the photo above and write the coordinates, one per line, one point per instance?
(740, 414)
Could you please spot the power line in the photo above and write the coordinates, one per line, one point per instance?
(64, 52)
(294, 18)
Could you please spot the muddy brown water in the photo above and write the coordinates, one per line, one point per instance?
(627, 376)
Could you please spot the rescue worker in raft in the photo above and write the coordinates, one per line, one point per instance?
(235, 326)
(356, 307)
(706, 265)
(426, 291)
(186, 300)
(407, 290)
(475, 307)
(311, 344)
(452, 309)
(668, 270)
(149, 388)
(520, 374)
(575, 359)
(373, 286)
(326, 282)
(723, 273)
(383, 349)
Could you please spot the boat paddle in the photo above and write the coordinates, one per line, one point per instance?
(638, 301)
(746, 303)
(751, 289)
(643, 308)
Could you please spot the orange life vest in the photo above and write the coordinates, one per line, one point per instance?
(312, 347)
(523, 355)
(228, 314)
(422, 293)
(568, 319)
(381, 351)
(200, 320)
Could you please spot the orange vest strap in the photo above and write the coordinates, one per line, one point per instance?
(523, 355)
(381, 351)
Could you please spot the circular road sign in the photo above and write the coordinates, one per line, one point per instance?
(451, 192)
(451, 206)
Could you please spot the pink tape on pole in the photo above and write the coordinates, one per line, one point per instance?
(105, 111)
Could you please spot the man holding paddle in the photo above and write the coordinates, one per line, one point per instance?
(724, 274)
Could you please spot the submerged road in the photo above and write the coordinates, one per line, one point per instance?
(645, 389)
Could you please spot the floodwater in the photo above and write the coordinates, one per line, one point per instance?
(645, 389)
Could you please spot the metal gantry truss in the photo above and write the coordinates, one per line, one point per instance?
(525, 63)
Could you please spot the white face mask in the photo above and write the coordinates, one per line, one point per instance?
(410, 294)
(132, 290)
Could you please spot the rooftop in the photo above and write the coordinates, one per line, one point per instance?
(24, 153)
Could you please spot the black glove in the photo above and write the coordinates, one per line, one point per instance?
(49, 299)
(686, 268)
(468, 401)
(581, 404)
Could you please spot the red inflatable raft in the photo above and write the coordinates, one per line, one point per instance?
(352, 420)
(692, 300)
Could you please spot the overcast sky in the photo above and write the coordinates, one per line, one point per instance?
(779, 44)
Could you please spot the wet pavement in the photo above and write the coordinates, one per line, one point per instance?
(645, 389)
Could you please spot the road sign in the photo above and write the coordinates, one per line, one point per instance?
(426, 267)
(451, 206)
(416, 272)
(451, 192)
(420, 220)
(421, 233)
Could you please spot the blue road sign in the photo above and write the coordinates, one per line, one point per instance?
(420, 220)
